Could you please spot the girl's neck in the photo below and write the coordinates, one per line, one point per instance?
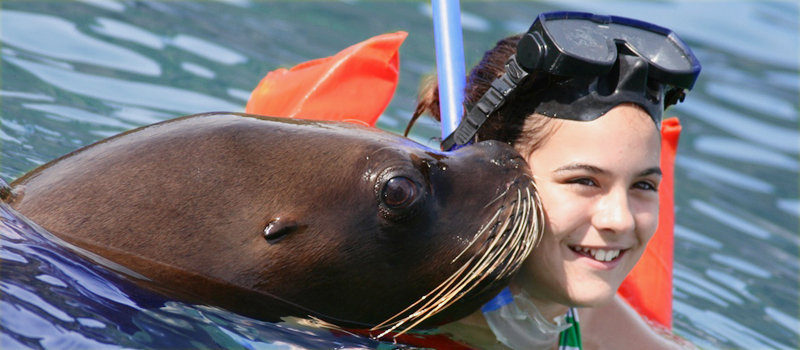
(549, 309)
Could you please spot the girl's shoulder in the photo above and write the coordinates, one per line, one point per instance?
(616, 325)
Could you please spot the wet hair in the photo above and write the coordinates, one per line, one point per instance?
(515, 122)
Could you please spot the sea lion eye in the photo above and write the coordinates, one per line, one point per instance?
(399, 192)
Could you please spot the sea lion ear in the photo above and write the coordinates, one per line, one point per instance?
(279, 228)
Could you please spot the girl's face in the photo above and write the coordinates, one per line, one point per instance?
(598, 184)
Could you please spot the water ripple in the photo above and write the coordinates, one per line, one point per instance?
(741, 265)
(739, 150)
(731, 282)
(129, 92)
(77, 115)
(240, 94)
(747, 128)
(725, 328)
(707, 172)
(88, 322)
(791, 323)
(469, 21)
(729, 220)
(7, 342)
(35, 300)
(111, 5)
(53, 281)
(64, 41)
(783, 79)
(25, 96)
(22, 321)
(791, 206)
(744, 96)
(7, 255)
(198, 70)
(128, 32)
(207, 49)
(137, 116)
(698, 286)
(684, 233)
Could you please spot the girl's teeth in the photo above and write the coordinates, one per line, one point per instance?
(599, 254)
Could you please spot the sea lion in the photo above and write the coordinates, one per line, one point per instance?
(272, 217)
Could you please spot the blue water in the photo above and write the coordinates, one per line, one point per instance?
(76, 72)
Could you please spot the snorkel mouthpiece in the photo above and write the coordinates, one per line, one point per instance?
(594, 64)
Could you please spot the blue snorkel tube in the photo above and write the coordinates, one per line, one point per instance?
(449, 62)
(452, 75)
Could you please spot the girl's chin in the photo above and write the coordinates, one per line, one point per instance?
(594, 293)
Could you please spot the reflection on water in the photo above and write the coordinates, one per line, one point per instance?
(742, 151)
(74, 73)
(124, 91)
(64, 41)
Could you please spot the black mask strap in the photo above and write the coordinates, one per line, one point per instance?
(490, 102)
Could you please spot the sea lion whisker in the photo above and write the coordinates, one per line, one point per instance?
(519, 238)
(534, 233)
(475, 276)
(500, 196)
(534, 217)
(521, 243)
(511, 235)
(391, 320)
(487, 257)
(516, 233)
(453, 295)
(430, 297)
(447, 282)
(491, 260)
(426, 311)
(496, 260)
(478, 234)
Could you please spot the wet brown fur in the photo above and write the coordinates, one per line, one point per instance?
(186, 202)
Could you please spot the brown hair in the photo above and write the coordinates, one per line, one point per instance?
(515, 122)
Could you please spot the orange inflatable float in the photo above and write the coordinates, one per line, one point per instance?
(357, 84)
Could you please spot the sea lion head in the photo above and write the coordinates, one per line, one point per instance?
(351, 225)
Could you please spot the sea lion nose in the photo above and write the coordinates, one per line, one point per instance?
(501, 154)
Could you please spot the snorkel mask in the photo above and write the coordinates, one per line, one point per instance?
(601, 62)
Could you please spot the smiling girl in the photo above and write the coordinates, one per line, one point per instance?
(581, 98)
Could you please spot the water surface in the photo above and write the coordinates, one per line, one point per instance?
(76, 72)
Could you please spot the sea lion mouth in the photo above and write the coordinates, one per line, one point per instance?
(509, 236)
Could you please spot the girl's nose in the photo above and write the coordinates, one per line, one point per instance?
(613, 212)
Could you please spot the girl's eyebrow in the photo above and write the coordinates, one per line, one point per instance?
(596, 170)
(654, 170)
(580, 166)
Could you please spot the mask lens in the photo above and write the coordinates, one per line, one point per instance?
(595, 42)
(659, 49)
(580, 38)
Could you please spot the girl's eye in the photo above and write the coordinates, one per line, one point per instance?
(585, 181)
(645, 185)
